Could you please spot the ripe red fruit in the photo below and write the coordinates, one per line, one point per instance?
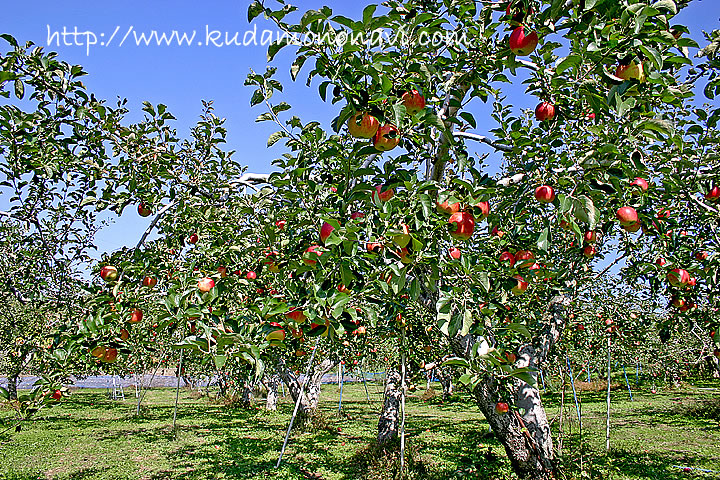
(356, 215)
(109, 273)
(521, 44)
(110, 355)
(660, 261)
(383, 195)
(310, 253)
(525, 258)
(363, 125)
(484, 209)
(386, 138)
(413, 101)
(641, 184)
(507, 259)
(627, 216)
(455, 253)
(692, 282)
(136, 316)
(206, 284)
(511, 357)
(589, 251)
(701, 256)
(713, 194)
(517, 11)
(590, 236)
(124, 334)
(448, 208)
(496, 232)
(280, 224)
(222, 271)
(521, 286)
(343, 289)
(502, 408)
(373, 247)
(57, 395)
(463, 224)
(193, 239)
(544, 194)
(149, 282)
(678, 302)
(325, 231)
(251, 275)
(143, 210)
(678, 277)
(545, 111)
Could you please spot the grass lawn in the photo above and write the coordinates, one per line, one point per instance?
(89, 436)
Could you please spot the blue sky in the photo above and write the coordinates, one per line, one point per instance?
(182, 76)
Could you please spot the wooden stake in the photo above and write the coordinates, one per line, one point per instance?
(402, 407)
(607, 425)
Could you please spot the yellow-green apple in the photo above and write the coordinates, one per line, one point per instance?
(136, 316)
(631, 71)
(206, 284)
(109, 273)
(276, 335)
(627, 216)
(678, 277)
(144, 210)
(386, 138)
(363, 125)
(521, 285)
(522, 44)
(413, 101)
(544, 111)
(544, 194)
(311, 254)
(462, 225)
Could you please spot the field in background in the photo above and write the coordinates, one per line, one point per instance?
(89, 436)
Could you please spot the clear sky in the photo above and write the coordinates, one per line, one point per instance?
(182, 76)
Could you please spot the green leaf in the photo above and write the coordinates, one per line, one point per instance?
(668, 5)
(273, 139)
(484, 280)
(567, 63)
(254, 10)
(467, 322)
(524, 376)
(19, 89)
(220, 360)
(275, 47)
(520, 328)
(4, 394)
(264, 117)
(542, 243)
(456, 361)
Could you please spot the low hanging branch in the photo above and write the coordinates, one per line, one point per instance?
(483, 139)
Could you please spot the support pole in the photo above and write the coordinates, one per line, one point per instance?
(367, 393)
(144, 389)
(177, 390)
(297, 404)
(402, 406)
(627, 382)
(577, 404)
(607, 424)
(342, 383)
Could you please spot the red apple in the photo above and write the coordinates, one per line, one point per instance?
(521, 44)
(589, 251)
(124, 334)
(383, 194)
(463, 224)
(507, 259)
(631, 71)
(525, 258)
(455, 253)
(310, 253)
(544, 111)
(110, 355)
(136, 316)
(280, 224)
(590, 236)
(222, 271)
(413, 101)
(692, 282)
(517, 11)
(325, 231)
(713, 194)
(109, 273)
(98, 352)
(501, 408)
(363, 125)
(496, 232)
(678, 302)
(521, 286)
(143, 210)
(206, 284)
(357, 215)
(386, 138)
(149, 282)
(511, 357)
(660, 261)
(343, 289)
(373, 247)
(447, 208)
(57, 395)
(251, 275)
(641, 184)
(545, 194)
(276, 335)
(627, 216)
(484, 209)
(678, 277)
(193, 239)
(702, 256)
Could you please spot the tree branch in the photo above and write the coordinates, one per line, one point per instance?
(483, 139)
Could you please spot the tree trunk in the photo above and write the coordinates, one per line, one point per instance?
(247, 394)
(390, 415)
(12, 380)
(445, 377)
(526, 438)
(272, 383)
(310, 397)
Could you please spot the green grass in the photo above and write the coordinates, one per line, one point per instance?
(89, 436)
